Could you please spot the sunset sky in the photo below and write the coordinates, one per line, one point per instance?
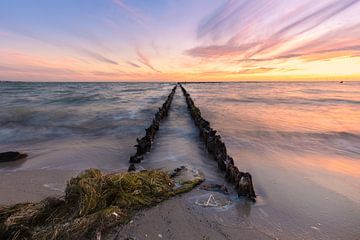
(201, 40)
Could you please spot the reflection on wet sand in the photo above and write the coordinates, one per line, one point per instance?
(244, 207)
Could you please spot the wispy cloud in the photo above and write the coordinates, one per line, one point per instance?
(145, 60)
(107, 74)
(243, 71)
(337, 38)
(306, 23)
(36, 69)
(96, 56)
(235, 17)
(133, 12)
(255, 70)
(65, 45)
(316, 18)
(132, 64)
(218, 51)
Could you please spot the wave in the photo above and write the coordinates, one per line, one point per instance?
(290, 134)
(290, 101)
(327, 142)
(76, 99)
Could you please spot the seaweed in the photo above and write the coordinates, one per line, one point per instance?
(93, 204)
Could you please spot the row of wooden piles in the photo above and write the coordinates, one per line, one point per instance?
(144, 144)
(216, 147)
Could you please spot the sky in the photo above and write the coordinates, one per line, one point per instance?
(179, 40)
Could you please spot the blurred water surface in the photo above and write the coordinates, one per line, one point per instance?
(76, 125)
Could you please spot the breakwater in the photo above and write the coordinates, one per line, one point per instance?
(216, 147)
(144, 144)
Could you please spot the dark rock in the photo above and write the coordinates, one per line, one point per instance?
(11, 156)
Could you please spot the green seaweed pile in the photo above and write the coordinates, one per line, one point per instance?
(93, 204)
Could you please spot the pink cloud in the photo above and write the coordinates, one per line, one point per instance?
(246, 44)
(218, 51)
(97, 56)
(305, 24)
(145, 60)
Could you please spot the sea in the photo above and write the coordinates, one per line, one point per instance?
(299, 140)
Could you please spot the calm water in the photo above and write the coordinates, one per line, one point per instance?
(300, 141)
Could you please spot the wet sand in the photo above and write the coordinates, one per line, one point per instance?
(32, 185)
(179, 218)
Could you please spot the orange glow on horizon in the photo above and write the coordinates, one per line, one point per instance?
(132, 44)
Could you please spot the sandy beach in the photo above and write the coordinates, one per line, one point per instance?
(177, 218)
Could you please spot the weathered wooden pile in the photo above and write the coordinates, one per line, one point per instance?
(144, 144)
(215, 146)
